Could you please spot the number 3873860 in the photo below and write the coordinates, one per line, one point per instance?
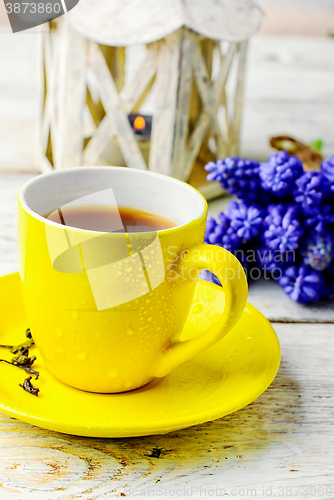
(32, 8)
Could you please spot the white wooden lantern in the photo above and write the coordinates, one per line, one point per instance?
(193, 48)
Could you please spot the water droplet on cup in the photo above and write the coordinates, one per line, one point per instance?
(197, 309)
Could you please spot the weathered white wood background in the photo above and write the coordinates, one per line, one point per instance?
(290, 82)
(289, 90)
(281, 445)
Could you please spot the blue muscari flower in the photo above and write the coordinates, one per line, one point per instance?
(278, 230)
(246, 221)
(302, 283)
(310, 191)
(219, 232)
(239, 177)
(210, 227)
(327, 169)
(272, 262)
(318, 249)
(321, 218)
(279, 173)
(283, 228)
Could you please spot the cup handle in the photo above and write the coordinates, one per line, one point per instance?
(233, 279)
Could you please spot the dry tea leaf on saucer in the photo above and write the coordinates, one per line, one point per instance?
(28, 387)
(22, 360)
(27, 369)
(14, 349)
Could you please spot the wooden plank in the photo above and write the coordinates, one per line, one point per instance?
(238, 99)
(223, 146)
(223, 73)
(133, 90)
(76, 93)
(44, 124)
(112, 104)
(95, 106)
(130, 95)
(49, 117)
(144, 95)
(167, 82)
(226, 120)
(115, 59)
(183, 105)
(202, 123)
(120, 23)
(102, 136)
(281, 445)
(63, 33)
(269, 298)
(72, 97)
(41, 91)
(221, 143)
(204, 84)
(223, 20)
(275, 99)
(166, 88)
(210, 95)
(194, 145)
(210, 190)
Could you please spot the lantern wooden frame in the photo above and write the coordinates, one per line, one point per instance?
(81, 75)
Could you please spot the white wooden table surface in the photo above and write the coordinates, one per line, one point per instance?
(281, 445)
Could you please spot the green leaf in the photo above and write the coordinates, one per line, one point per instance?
(318, 145)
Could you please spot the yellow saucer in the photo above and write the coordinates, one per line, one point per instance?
(219, 381)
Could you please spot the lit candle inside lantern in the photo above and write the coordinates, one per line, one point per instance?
(141, 125)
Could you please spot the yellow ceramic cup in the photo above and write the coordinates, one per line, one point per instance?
(107, 309)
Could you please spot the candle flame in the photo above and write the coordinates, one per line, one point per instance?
(139, 123)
